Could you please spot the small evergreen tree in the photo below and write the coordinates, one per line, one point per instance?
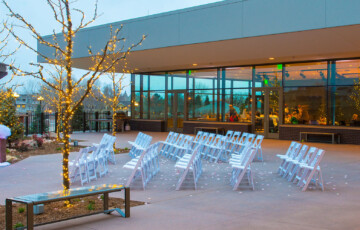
(8, 116)
(77, 123)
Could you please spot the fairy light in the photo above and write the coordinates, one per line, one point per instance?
(68, 92)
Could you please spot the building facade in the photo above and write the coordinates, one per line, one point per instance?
(272, 67)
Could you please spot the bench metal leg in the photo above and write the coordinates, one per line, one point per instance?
(8, 214)
(127, 202)
(106, 202)
(30, 216)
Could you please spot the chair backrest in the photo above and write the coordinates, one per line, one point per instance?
(295, 150)
(229, 134)
(216, 140)
(222, 142)
(290, 149)
(174, 138)
(180, 140)
(198, 136)
(168, 138)
(309, 155)
(242, 140)
(235, 137)
(316, 159)
(188, 141)
(251, 138)
(204, 138)
(302, 153)
(257, 142)
(210, 138)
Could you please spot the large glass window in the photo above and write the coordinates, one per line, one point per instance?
(238, 105)
(238, 77)
(305, 105)
(202, 105)
(157, 82)
(137, 105)
(345, 72)
(203, 79)
(137, 82)
(268, 76)
(157, 105)
(306, 74)
(177, 80)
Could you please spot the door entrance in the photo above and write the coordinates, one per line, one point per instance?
(267, 112)
(176, 111)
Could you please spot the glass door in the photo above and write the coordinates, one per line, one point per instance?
(176, 111)
(267, 111)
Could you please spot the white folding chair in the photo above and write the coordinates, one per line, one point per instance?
(308, 171)
(243, 166)
(192, 164)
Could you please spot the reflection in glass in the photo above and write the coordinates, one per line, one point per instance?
(306, 74)
(202, 105)
(238, 105)
(345, 72)
(273, 111)
(268, 76)
(305, 105)
(137, 105)
(259, 111)
(157, 105)
(342, 107)
(177, 80)
(238, 77)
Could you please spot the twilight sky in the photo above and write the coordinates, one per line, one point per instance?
(38, 13)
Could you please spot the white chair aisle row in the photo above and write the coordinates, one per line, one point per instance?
(141, 142)
(301, 165)
(92, 161)
(146, 165)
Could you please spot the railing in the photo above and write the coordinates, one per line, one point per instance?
(38, 123)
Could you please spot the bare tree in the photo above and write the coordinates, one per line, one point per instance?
(63, 13)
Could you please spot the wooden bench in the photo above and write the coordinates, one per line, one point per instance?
(42, 198)
(216, 129)
(333, 136)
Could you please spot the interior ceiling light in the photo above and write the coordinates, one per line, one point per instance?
(194, 64)
(271, 58)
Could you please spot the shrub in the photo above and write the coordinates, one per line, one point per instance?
(91, 205)
(58, 148)
(126, 148)
(18, 225)
(21, 210)
(22, 147)
(38, 140)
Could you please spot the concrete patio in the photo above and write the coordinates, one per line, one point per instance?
(275, 203)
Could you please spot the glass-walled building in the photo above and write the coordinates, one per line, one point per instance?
(279, 68)
(263, 96)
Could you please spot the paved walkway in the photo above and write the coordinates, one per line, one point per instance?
(275, 203)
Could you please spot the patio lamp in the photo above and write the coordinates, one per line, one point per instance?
(40, 99)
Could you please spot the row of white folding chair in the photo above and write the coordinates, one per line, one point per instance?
(255, 144)
(214, 150)
(141, 142)
(170, 140)
(78, 167)
(245, 139)
(242, 165)
(146, 165)
(300, 165)
(190, 162)
(175, 145)
(177, 150)
(106, 141)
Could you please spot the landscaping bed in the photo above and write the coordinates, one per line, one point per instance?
(57, 210)
(48, 147)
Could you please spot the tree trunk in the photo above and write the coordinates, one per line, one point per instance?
(66, 152)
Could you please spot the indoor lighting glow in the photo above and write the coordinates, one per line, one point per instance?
(271, 58)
